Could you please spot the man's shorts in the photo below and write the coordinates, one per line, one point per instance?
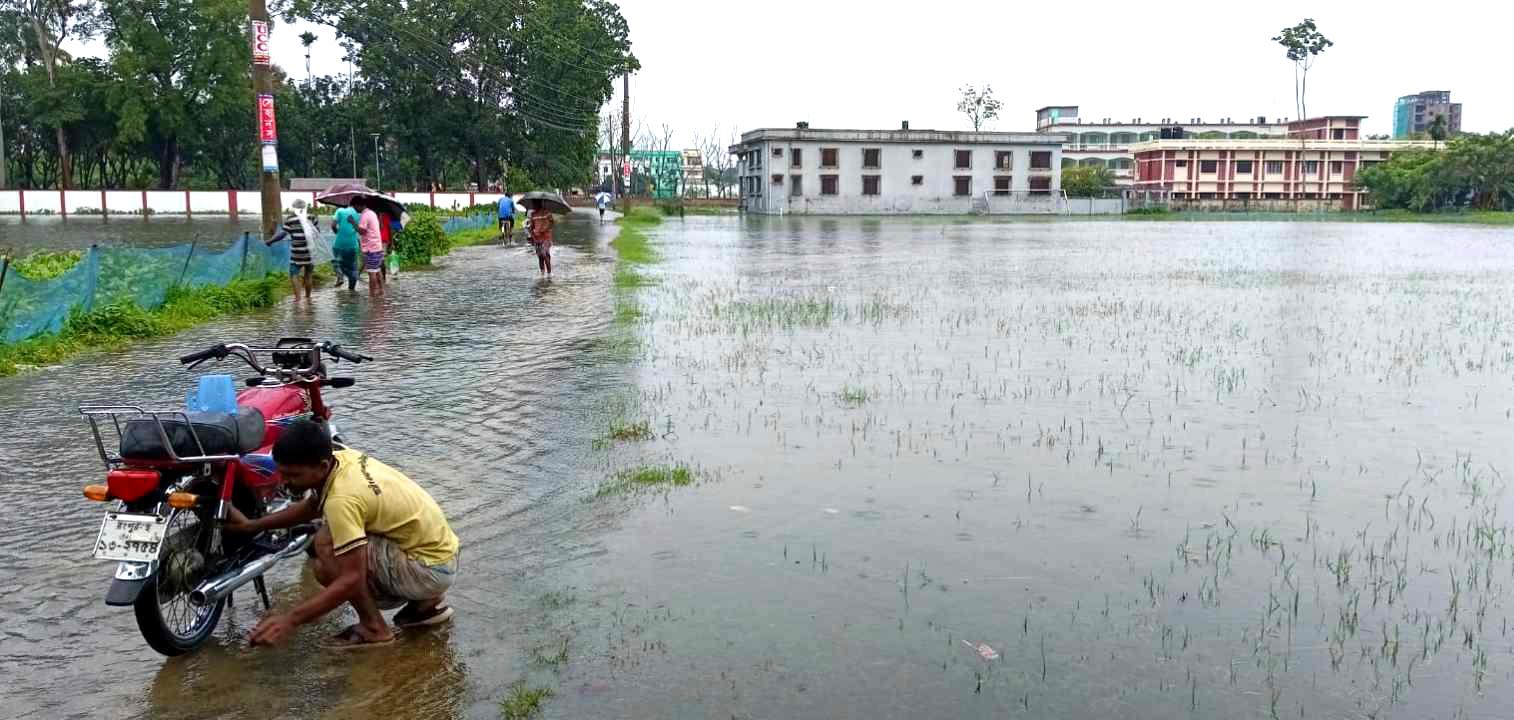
(395, 578)
(295, 269)
(373, 261)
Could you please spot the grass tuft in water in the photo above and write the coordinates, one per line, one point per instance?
(647, 477)
(854, 396)
(523, 702)
(624, 431)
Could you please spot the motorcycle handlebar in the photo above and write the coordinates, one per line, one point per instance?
(214, 351)
(343, 354)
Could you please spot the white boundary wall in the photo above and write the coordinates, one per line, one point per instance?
(191, 202)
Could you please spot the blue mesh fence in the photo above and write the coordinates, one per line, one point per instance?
(139, 275)
(471, 222)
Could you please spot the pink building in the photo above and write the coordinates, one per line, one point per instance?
(1316, 163)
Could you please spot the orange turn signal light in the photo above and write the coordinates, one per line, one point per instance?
(98, 493)
(182, 500)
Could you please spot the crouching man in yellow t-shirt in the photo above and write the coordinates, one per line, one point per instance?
(384, 544)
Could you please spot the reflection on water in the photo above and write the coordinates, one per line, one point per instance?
(1150, 470)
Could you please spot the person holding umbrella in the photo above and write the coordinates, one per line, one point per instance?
(372, 243)
(542, 206)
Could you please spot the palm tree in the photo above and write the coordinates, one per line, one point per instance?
(307, 39)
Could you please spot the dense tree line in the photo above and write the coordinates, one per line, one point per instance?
(459, 92)
(1475, 171)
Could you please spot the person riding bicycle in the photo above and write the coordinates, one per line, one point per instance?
(385, 542)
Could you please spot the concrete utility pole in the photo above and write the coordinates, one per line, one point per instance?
(625, 128)
(262, 87)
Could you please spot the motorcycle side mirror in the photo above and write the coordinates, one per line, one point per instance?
(339, 382)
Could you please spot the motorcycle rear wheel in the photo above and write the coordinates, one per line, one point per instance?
(170, 623)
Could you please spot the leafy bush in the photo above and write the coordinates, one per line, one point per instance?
(45, 265)
(422, 239)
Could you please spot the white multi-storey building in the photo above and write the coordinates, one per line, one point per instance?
(846, 172)
(1106, 142)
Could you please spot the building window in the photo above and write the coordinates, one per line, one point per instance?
(1001, 184)
(829, 184)
(1040, 185)
(1337, 134)
(828, 157)
(1209, 167)
(1004, 160)
(917, 180)
(917, 154)
(1181, 164)
(1311, 167)
(871, 184)
(777, 152)
(1040, 160)
(1337, 167)
(1243, 167)
(777, 179)
(872, 158)
(1243, 196)
(962, 185)
(796, 157)
(964, 159)
(796, 185)
(1274, 167)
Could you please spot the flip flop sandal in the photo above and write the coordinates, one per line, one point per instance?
(437, 617)
(349, 639)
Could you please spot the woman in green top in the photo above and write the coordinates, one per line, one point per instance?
(345, 247)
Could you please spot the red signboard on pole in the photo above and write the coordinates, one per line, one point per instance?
(261, 54)
(268, 131)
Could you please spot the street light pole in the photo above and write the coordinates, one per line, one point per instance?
(4, 171)
(377, 168)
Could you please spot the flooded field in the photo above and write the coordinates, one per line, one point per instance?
(20, 237)
(876, 468)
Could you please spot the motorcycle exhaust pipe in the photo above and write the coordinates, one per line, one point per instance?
(215, 589)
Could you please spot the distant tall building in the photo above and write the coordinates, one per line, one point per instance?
(1414, 113)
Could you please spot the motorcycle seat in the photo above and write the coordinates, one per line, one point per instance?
(219, 433)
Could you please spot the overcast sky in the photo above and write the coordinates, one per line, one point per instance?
(841, 63)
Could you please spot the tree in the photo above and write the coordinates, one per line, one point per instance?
(307, 39)
(1437, 129)
(979, 106)
(1473, 170)
(186, 86)
(54, 22)
(1304, 43)
(1086, 180)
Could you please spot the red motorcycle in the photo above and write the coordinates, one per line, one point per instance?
(174, 473)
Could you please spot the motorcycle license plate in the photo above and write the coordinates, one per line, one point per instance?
(130, 538)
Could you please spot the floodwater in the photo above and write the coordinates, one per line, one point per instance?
(19, 237)
(942, 469)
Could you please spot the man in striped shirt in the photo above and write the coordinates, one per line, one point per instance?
(301, 266)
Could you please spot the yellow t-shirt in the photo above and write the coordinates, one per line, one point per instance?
(366, 497)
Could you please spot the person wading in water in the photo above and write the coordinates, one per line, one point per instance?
(541, 237)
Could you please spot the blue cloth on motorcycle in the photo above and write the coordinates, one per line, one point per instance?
(216, 394)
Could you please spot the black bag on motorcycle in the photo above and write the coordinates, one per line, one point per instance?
(219, 433)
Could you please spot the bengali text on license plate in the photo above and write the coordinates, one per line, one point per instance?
(134, 538)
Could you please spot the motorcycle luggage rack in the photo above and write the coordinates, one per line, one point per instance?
(94, 413)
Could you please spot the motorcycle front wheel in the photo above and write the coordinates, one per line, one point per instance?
(169, 621)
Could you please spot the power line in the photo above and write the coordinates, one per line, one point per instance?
(550, 114)
(563, 113)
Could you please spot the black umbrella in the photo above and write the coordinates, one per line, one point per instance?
(342, 195)
(549, 201)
